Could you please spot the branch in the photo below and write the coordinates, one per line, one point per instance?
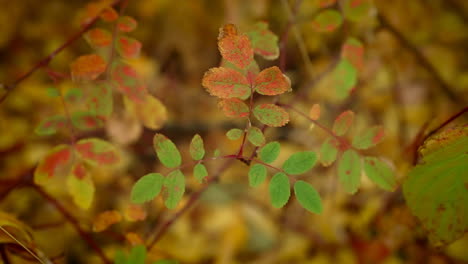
(46, 60)
(446, 122)
(424, 62)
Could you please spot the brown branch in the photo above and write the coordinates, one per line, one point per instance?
(70, 218)
(446, 122)
(46, 60)
(424, 62)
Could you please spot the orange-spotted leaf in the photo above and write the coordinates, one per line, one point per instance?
(197, 148)
(356, 10)
(353, 51)
(250, 72)
(272, 81)
(87, 67)
(81, 186)
(134, 212)
(73, 95)
(105, 219)
(128, 48)
(55, 163)
(100, 101)
(327, 21)
(97, 152)
(109, 14)
(129, 83)
(344, 78)
(234, 107)
(271, 115)
(235, 48)
(134, 239)
(50, 125)
(151, 112)
(98, 38)
(343, 122)
(86, 121)
(264, 42)
(226, 83)
(126, 24)
(175, 188)
(98, 8)
(326, 3)
(369, 138)
(349, 171)
(314, 112)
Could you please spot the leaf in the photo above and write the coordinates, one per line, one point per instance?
(235, 48)
(128, 48)
(50, 125)
(279, 190)
(151, 112)
(97, 152)
(299, 163)
(175, 186)
(120, 258)
(86, 121)
(166, 261)
(255, 136)
(353, 51)
(257, 175)
(54, 163)
(73, 94)
(129, 83)
(226, 83)
(100, 101)
(272, 81)
(436, 190)
(343, 122)
(349, 171)
(250, 72)
(234, 107)
(328, 151)
(51, 92)
(167, 151)
(308, 197)
(200, 172)
(126, 24)
(135, 212)
(197, 149)
(98, 38)
(137, 255)
(369, 138)
(271, 115)
(314, 112)
(81, 186)
(234, 134)
(270, 152)
(355, 10)
(379, 172)
(344, 78)
(109, 14)
(17, 228)
(326, 3)
(87, 67)
(105, 219)
(134, 239)
(264, 42)
(147, 187)
(327, 21)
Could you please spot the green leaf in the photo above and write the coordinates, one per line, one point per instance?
(343, 122)
(216, 153)
(257, 175)
(52, 92)
(175, 186)
(369, 138)
(437, 189)
(255, 136)
(50, 125)
(226, 83)
(270, 152)
(81, 186)
(73, 94)
(279, 190)
(234, 107)
(308, 197)
(353, 51)
(166, 261)
(264, 42)
(147, 187)
(200, 172)
(197, 149)
(299, 163)
(167, 151)
(100, 101)
(234, 134)
(271, 115)
(380, 173)
(327, 21)
(349, 171)
(86, 121)
(137, 255)
(344, 78)
(120, 258)
(272, 81)
(329, 151)
(356, 10)
(97, 152)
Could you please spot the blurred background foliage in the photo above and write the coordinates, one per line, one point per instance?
(234, 223)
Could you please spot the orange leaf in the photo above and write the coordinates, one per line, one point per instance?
(126, 24)
(109, 14)
(234, 107)
(272, 81)
(235, 48)
(128, 48)
(314, 113)
(54, 163)
(135, 213)
(134, 239)
(226, 83)
(106, 219)
(88, 67)
(129, 83)
(98, 38)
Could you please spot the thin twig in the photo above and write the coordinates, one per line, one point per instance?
(446, 122)
(23, 246)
